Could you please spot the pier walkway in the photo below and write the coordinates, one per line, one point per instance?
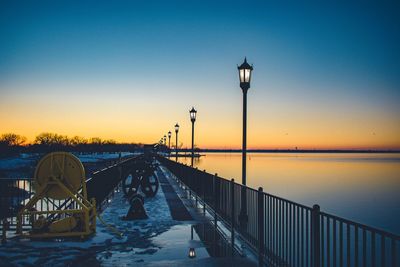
(174, 225)
(196, 210)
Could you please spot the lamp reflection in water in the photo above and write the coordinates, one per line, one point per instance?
(192, 252)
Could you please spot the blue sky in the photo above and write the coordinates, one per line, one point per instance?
(338, 59)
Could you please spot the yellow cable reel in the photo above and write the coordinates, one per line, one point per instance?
(62, 166)
(59, 178)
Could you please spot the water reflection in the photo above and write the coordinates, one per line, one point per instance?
(362, 187)
(215, 244)
(13, 194)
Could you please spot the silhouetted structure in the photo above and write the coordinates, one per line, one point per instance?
(176, 141)
(244, 76)
(169, 140)
(193, 114)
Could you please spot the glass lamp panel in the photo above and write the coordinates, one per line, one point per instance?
(241, 75)
(247, 75)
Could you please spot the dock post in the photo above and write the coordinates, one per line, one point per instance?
(260, 226)
(4, 232)
(315, 235)
(232, 184)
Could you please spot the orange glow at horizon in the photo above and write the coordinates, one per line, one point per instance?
(129, 71)
(124, 128)
(146, 119)
(127, 114)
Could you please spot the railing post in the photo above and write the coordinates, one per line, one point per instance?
(204, 196)
(315, 235)
(196, 182)
(4, 232)
(215, 195)
(19, 224)
(232, 184)
(260, 226)
(215, 192)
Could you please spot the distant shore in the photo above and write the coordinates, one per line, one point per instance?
(291, 151)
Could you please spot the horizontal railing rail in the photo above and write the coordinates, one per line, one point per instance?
(16, 192)
(286, 233)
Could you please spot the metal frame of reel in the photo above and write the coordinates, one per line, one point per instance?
(56, 186)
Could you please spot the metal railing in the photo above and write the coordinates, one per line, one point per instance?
(16, 192)
(102, 182)
(285, 233)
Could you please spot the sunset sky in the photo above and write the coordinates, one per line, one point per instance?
(325, 75)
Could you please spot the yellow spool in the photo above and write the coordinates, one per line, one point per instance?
(62, 166)
(59, 176)
(63, 225)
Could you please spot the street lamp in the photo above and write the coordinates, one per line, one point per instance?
(165, 140)
(176, 144)
(244, 77)
(169, 139)
(193, 114)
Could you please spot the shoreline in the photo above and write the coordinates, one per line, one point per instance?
(293, 151)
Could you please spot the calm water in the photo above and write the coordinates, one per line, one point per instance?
(360, 187)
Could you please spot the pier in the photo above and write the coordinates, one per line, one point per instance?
(200, 133)
(197, 212)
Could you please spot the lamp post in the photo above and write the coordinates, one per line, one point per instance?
(193, 114)
(176, 144)
(169, 139)
(165, 140)
(244, 77)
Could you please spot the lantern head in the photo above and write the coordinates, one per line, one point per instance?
(193, 113)
(245, 75)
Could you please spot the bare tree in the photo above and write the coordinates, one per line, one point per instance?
(77, 140)
(11, 139)
(95, 141)
(49, 139)
(109, 142)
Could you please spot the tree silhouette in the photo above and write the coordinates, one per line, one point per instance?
(49, 139)
(11, 139)
(11, 143)
(78, 141)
